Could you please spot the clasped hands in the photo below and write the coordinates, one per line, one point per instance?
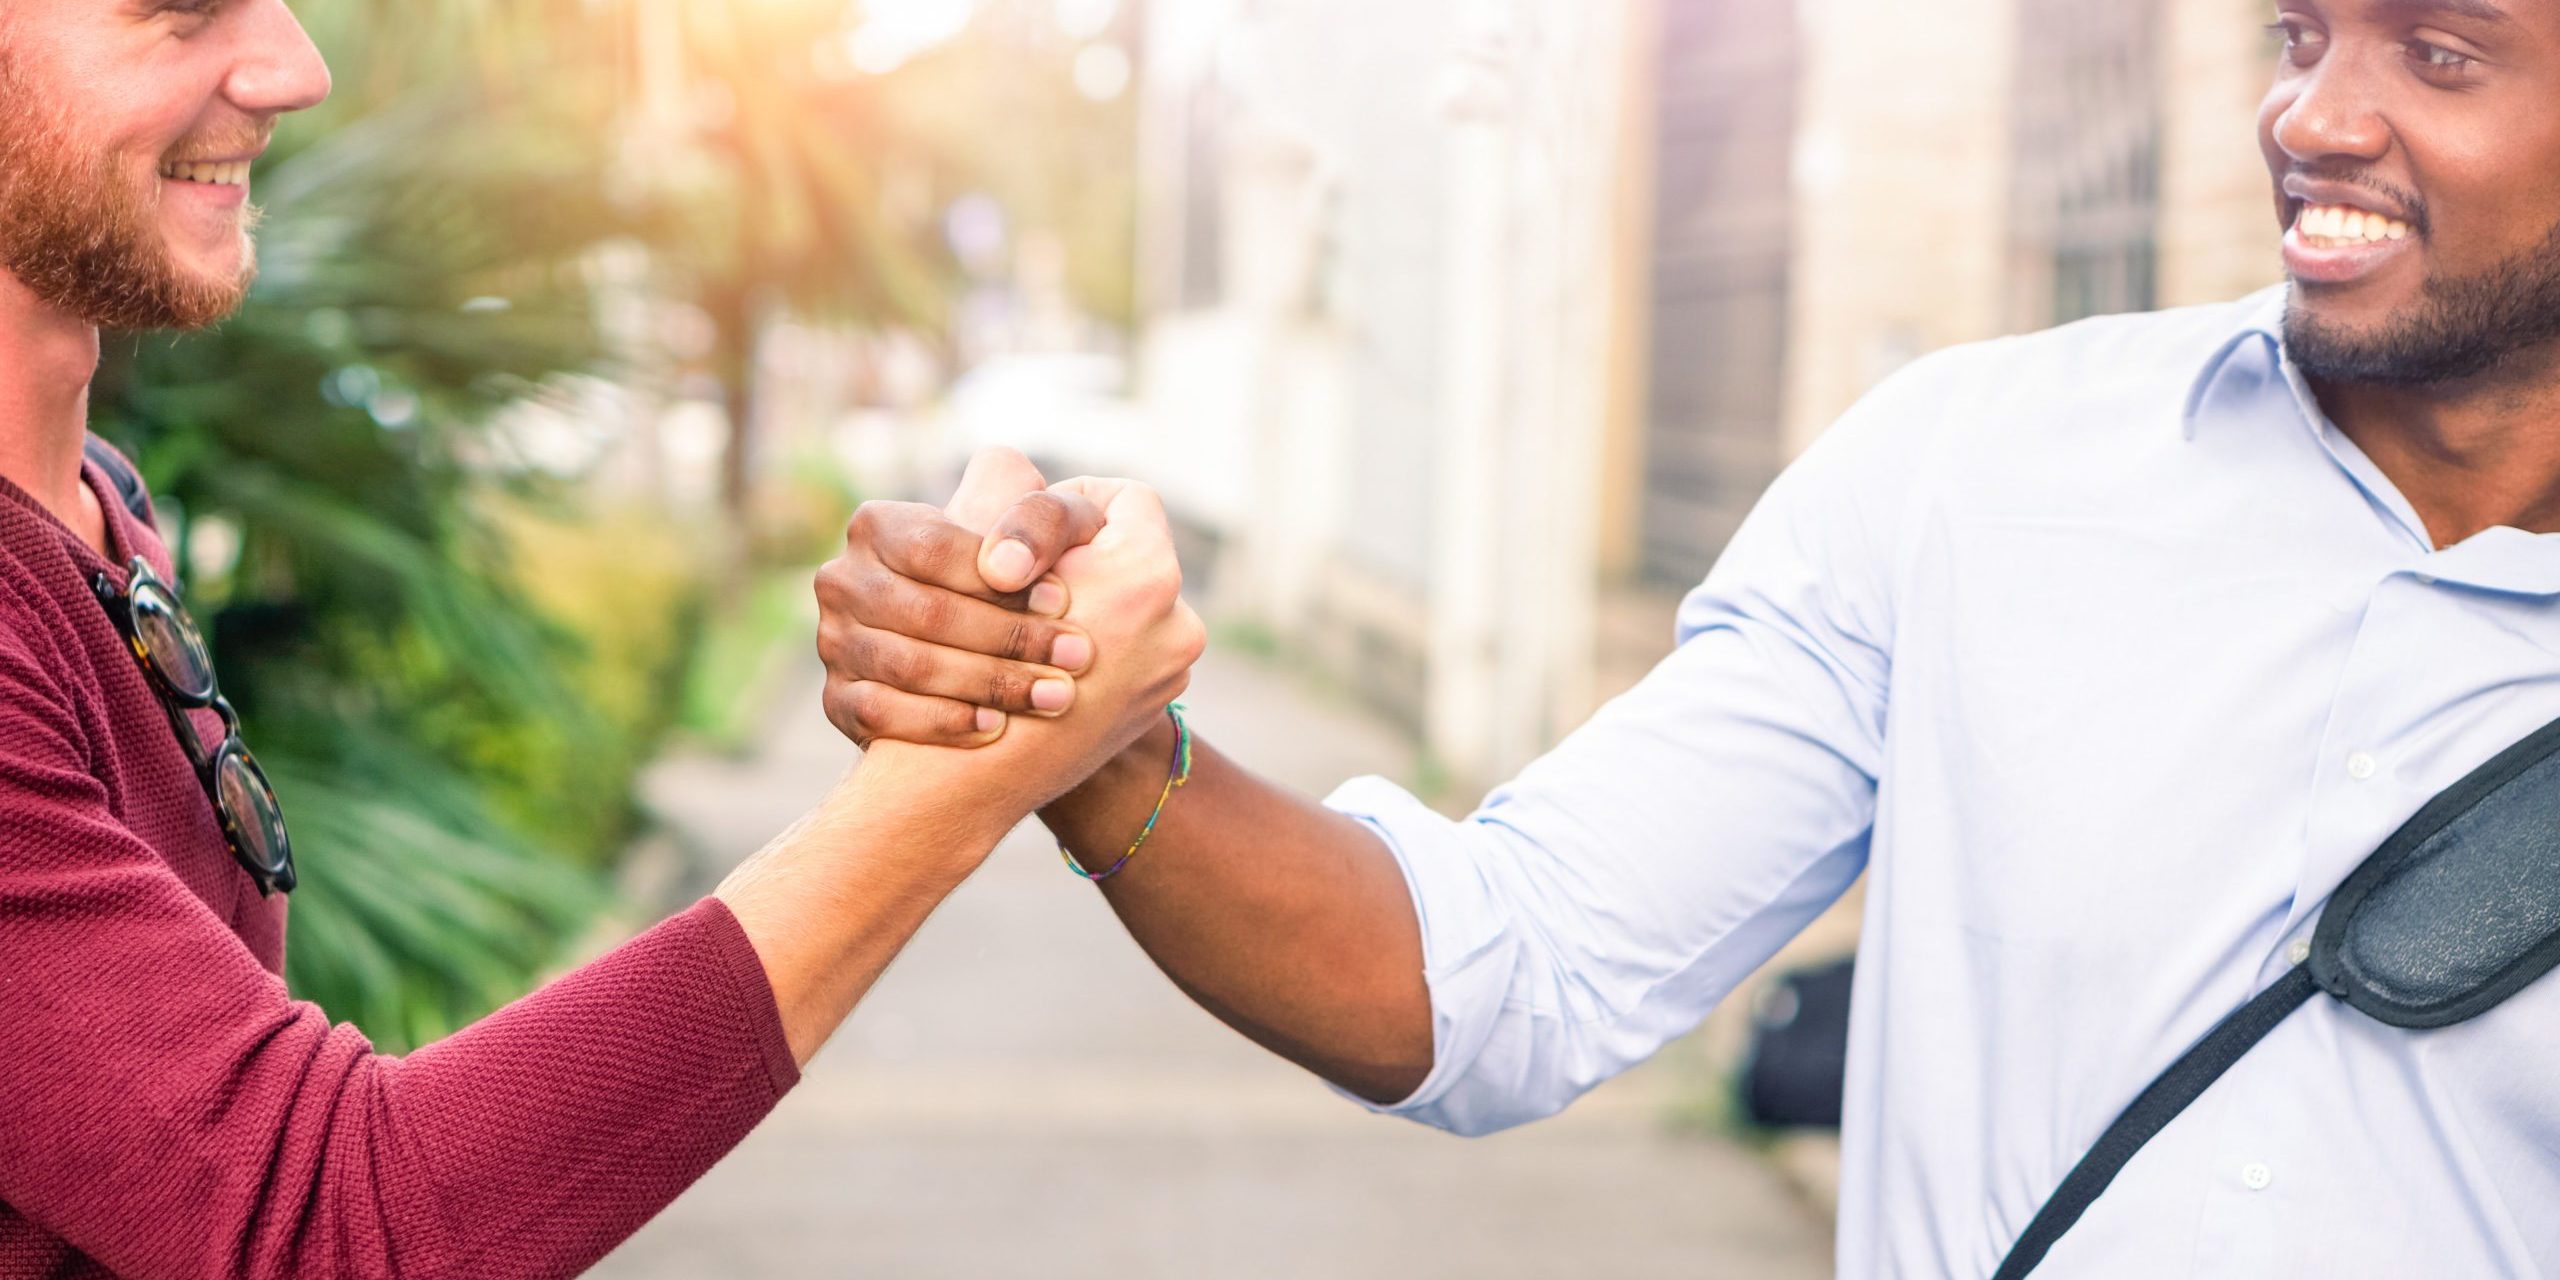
(1007, 646)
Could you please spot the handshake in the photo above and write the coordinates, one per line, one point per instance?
(1010, 644)
(1014, 653)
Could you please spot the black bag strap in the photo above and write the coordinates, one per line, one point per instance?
(2152, 1110)
(121, 474)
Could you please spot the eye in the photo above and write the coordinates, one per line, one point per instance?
(2436, 62)
(2303, 43)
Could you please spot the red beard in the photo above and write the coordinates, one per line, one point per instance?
(82, 237)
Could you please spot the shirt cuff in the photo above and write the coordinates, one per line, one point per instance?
(1469, 950)
(754, 1000)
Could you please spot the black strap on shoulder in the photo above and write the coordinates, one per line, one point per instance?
(2151, 1111)
(121, 474)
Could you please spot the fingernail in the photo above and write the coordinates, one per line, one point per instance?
(1010, 561)
(1049, 599)
(989, 720)
(1071, 653)
(1052, 695)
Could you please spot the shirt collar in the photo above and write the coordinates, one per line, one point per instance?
(2260, 335)
(2250, 364)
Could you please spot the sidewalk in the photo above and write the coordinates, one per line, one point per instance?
(1024, 1095)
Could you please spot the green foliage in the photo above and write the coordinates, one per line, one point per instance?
(628, 584)
(322, 459)
(417, 912)
(451, 668)
(745, 652)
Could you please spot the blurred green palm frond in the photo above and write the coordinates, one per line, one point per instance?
(417, 913)
(500, 206)
(324, 461)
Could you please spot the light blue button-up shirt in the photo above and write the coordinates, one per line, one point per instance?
(2106, 657)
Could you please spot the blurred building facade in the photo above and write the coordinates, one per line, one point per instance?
(1473, 327)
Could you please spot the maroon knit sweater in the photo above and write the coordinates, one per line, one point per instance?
(170, 1111)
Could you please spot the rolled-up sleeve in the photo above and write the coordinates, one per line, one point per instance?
(1603, 902)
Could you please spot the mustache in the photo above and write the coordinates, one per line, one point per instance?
(228, 144)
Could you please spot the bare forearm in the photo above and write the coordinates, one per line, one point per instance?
(1288, 921)
(830, 902)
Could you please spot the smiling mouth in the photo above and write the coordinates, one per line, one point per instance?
(2338, 226)
(229, 174)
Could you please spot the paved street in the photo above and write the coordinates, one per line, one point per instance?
(1023, 1095)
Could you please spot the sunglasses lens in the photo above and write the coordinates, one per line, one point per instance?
(256, 820)
(171, 641)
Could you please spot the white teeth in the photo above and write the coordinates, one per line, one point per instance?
(234, 174)
(2348, 225)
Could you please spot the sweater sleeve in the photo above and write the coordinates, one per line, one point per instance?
(172, 1112)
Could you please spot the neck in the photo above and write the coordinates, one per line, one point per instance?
(2467, 457)
(47, 358)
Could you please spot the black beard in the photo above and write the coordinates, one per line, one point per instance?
(82, 240)
(2460, 329)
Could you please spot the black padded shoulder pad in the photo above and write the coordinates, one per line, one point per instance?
(2460, 908)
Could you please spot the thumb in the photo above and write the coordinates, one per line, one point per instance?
(996, 479)
(1131, 512)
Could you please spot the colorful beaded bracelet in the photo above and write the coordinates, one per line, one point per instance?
(1180, 774)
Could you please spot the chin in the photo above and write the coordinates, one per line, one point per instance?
(2349, 308)
(215, 271)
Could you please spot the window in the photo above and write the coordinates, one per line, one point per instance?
(2085, 194)
(1722, 238)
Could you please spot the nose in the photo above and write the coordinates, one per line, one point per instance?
(2333, 115)
(278, 70)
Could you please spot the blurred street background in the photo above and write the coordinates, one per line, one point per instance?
(1459, 335)
(1026, 1096)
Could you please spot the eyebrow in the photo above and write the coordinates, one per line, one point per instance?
(2476, 10)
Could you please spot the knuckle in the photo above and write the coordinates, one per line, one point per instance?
(900, 666)
(831, 641)
(834, 585)
(1022, 641)
(862, 590)
(928, 615)
(867, 521)
(843, 708)
(863, 658)
(924, 548)
(1041, 512)
(868, 703)
(1008, 689)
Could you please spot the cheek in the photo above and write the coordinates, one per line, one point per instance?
(138, 109)
(2490, 200)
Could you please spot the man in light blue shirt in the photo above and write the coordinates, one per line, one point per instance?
(2106, 653)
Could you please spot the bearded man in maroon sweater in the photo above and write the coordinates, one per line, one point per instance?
(172, 1111)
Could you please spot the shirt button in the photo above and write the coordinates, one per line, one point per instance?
(2297, 953)
(2256, 1176)
(2360, 766)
